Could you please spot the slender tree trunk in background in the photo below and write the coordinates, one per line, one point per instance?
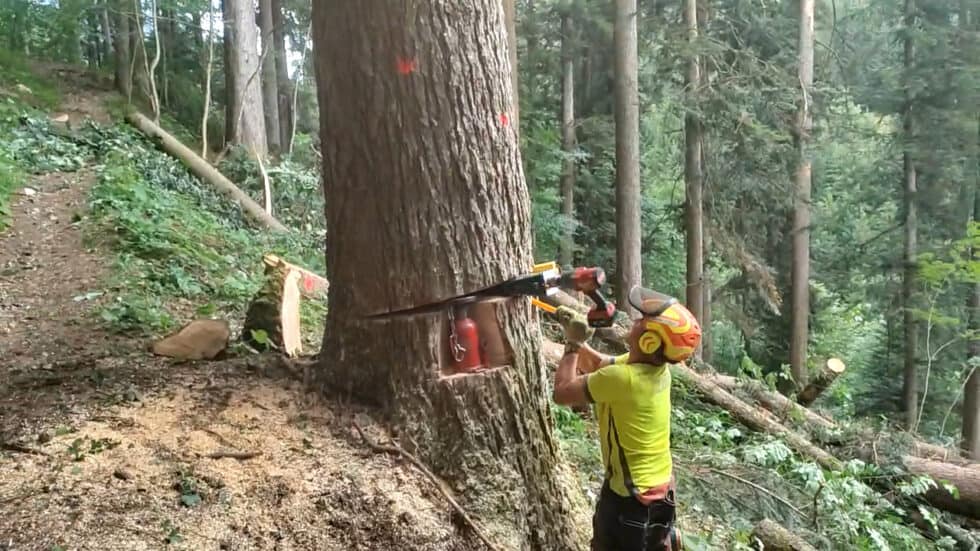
(801, 214)
(140, 67)
(568, 141)
(249, 119)
(121, 39)
(910, 385)
(152, 71)
(629, 270)
(207, 82)
(294, 106)
(693, 176)
(510, 23)
(971, 393)
(270, 84)
(445, 177)
(233, 100)
(106, 28)
(284, 86)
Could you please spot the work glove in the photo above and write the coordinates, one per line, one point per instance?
(575, 326)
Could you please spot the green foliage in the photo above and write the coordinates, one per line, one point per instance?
(11, 177)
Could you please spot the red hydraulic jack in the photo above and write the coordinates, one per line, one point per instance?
(464, 342)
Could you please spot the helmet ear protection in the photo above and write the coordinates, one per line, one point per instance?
(649, 341)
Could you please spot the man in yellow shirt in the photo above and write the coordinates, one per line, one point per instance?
(631, 394)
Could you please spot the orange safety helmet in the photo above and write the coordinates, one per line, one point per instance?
(668, 325)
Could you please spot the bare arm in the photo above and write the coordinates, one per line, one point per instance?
(571, 388)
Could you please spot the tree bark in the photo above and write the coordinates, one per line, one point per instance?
(910, 385)
(774, 537)
(270, 83)
(629, 271)
(284, 86)
(106, 29)
(249, 119)
(121, 38)
(801, 213)
(510, 24)
(203, 170)
(233, 100)
(428, 201)
(693, 178)
(971, 392)
(831, 369)
(965, 479)
(568, 140)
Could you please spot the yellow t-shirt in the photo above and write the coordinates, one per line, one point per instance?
(632, 403)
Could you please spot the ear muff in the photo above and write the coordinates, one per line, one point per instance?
(649, 342)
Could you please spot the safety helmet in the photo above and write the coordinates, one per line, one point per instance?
(667, 324)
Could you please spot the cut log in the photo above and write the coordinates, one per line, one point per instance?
(274, 310)
(776, 403)
(198, 340)
(203, 170)
(830, 371)
(773, 537)
(966, 480)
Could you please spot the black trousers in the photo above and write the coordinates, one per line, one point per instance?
(625, 524)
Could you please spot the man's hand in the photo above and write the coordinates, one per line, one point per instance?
(575, 326)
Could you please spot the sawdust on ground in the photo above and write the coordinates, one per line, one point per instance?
(107, 447)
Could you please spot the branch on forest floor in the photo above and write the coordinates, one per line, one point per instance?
(231, 454)
(20, 448)
(395, 449)
(762, 489)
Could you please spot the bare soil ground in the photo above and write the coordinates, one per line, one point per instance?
(103, 446)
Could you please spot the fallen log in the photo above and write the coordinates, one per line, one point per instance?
(203, 170)
(828, 373)
(777, 403)
(202, 339)
(966, 481)
(773, 537)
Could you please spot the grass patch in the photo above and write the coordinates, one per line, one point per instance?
(15, 69)
(11, 177)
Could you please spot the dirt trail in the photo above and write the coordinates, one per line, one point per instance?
(107, 447)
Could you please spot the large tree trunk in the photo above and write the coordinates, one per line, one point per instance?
(801, 213)
(774, 537)
(568, 141)
(693, 207)
(428, 201)
(510, 23)
(629, 271)
(270, 83)
(249, 119)
(910, 386)
(284, 86)
(121, 40)
(965, 479)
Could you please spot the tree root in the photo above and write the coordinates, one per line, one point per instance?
(395, 449)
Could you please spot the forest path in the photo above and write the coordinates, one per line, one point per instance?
(105, 446)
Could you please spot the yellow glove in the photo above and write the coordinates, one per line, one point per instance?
(575, 326)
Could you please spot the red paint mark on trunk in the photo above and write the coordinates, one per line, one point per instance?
(504, 119)
(407, 66)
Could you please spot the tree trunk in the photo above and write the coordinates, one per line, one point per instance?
(568, 140)
(121, 39)
(971, 392)
(801, 213)
(270, 84)
(107, 42)
(774, 537)
(707, 347)
(965, 479)
(693, 206)
(140, 66)
(776, 403)
(831, 369)
(428, 201)
(233, 100)
(628, 245)
(249, 119)
(510, 23)
(284, 86)
(910, 386)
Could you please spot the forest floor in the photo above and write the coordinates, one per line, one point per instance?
(105, 446)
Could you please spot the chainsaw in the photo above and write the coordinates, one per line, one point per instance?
(543, 281)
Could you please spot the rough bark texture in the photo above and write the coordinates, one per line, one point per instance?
(427, 201)
(774, 537)
(249, 119)
(965, 479)
(568, 141)
(801, 214)
(203, 170)
(510, 23)
(910, 385)
(831, 369)
(121, 39)
(284, 86)
(628, 244)
(270, 83)
(693, 207)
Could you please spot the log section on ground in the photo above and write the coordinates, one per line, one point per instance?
(831, 369)
(427, 201)
(774, 537)
(275, 309)
(203, 170)
(966, 481)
